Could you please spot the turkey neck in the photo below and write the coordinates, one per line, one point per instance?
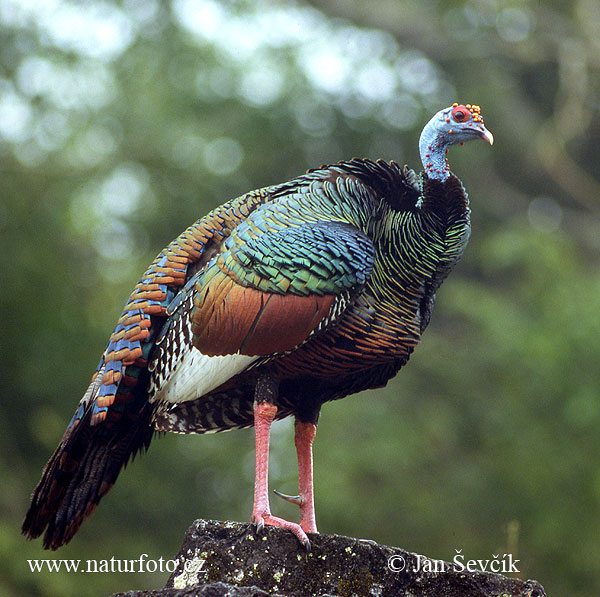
(433, 147)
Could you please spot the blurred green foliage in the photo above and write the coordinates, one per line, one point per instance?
(123, 122)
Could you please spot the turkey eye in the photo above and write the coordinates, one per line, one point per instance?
(460, 115)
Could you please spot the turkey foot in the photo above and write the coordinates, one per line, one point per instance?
(264, 518)
(264, 414)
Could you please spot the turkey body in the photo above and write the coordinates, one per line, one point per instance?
(269, 306)
(370, 254)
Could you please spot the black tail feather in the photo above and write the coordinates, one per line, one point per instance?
(81, 471)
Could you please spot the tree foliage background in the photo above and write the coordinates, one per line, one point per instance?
(123, 122)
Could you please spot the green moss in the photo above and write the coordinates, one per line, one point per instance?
(357, 586)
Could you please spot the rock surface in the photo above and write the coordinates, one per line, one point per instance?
(229, 559)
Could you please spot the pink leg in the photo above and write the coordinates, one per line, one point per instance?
(264, 413)
(304, 437)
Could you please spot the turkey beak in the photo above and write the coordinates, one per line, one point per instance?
(487, 136)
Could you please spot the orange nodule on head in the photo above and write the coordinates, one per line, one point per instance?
(473, 109)
(460, 113)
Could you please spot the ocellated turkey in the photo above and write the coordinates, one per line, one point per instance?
(271, 305)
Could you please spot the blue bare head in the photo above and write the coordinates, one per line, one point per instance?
(456, 124)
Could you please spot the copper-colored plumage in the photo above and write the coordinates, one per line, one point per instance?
(237, 319)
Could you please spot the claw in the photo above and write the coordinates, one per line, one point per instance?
(307, 546)
(293, 499)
